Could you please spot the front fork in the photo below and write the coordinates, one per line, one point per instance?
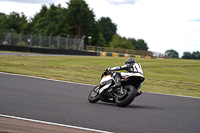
(96, 90)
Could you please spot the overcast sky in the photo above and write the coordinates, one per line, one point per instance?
(163, 24)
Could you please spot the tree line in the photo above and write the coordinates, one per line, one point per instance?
(76, 19)
(186, 55)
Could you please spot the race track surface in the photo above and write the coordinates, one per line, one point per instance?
(66, 103)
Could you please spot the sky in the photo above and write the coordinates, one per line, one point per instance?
(163, 24)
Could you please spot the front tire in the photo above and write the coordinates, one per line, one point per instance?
(128, 98)
(94, 95)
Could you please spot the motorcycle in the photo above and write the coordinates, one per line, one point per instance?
(121, 96)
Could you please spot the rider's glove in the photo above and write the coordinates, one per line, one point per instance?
(107, 70)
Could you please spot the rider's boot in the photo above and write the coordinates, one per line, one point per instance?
(138, 93)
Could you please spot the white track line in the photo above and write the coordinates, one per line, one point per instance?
(55, 124)
(45, 79)
(173, 95)
(19, 118)
(90, 85)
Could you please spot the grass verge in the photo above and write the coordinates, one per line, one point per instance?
(169, 76)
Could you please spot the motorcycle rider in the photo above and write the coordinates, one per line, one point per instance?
(131, 67)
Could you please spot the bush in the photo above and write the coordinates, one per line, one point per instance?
(22, 44)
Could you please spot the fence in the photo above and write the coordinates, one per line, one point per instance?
(41, 41)
(58, 42)
(128, 51)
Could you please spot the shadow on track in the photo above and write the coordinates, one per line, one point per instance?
(143, 107)
(129, 106)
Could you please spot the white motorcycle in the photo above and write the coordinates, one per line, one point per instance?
(121, 96)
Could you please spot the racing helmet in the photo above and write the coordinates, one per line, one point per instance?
(130, 61)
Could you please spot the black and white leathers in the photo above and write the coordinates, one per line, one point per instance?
(130, 68)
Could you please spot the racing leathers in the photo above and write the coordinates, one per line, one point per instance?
(130, 68)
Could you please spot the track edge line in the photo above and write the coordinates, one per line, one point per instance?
(55, 124)
(89, 84)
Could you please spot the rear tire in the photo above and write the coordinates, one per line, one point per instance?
(128, 98)
(93, 96)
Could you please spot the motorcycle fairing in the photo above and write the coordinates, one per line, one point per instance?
(128, 78)
(125, 75)
(106, 81)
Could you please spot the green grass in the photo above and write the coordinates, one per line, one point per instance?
(169, 76)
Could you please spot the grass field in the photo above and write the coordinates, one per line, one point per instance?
(170, 76)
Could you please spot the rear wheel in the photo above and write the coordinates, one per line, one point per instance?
(128, 97)
(94, 95)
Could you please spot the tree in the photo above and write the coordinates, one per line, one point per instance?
(139, 44)
(48, 21)
(81, 21)
(77, 20)
(186, 55)
(3, 22)
(120, 42)
(195, 55)
(16, 22)
(133, 41)
(107, 28)
(3, 27)
(102, 41)
(172, 53)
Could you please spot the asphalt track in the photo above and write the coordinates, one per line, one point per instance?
(66, 103)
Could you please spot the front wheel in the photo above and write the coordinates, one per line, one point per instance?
(94, 95)
(128, 97)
